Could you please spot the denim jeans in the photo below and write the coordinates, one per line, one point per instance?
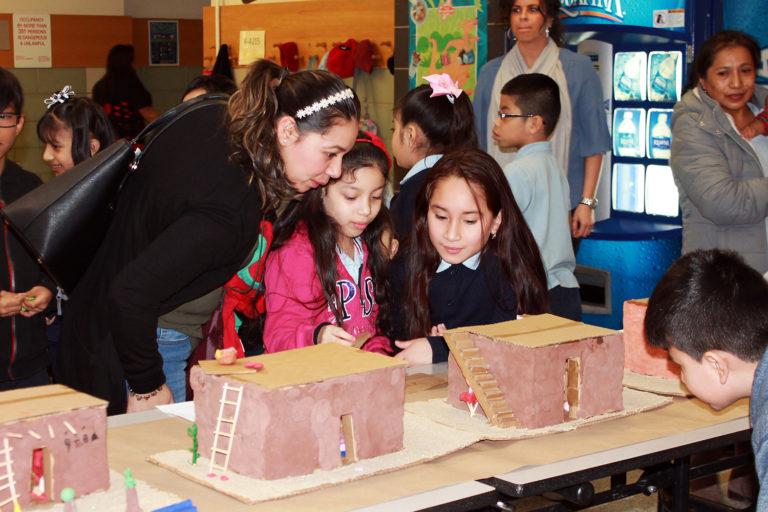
(175, 348)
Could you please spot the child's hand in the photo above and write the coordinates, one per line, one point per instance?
(394, 246)
(226, 355)
(753, 129)
(35, 301)
(10, 303)
(416, 352)
(437, 330)
(335, 334)
(389, 243)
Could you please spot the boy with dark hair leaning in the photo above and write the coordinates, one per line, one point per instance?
(528, 112)
(711, 311)
(24, 289)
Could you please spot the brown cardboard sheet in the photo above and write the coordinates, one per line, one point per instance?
(130, 445)
(43, 400)
(654, 384)
(114, 500)
(432, 429)
(304, 365)
(538, 330)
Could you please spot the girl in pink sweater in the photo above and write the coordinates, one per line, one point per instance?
(325, 276)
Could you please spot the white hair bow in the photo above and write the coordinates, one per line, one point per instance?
(60, 97)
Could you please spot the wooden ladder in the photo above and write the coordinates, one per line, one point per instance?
(481, 380)
(225, 428)
(6, 473)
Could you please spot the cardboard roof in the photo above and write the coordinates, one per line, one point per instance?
(20, 404)
(538, 331)
(305, 365)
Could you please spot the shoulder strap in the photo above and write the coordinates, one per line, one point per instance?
(158, 126)
(190, 105)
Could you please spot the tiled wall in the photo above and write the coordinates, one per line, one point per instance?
(376, 93)
(165, 83)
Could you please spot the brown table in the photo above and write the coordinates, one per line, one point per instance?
(518, 463)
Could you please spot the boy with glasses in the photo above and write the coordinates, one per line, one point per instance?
(25, 291)
(528, 112)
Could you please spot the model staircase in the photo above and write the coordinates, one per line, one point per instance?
(6, 473)
(481, 380)
(226, 422)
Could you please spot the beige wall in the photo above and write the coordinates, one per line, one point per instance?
(185, 9)
(240, 2)
(98, 7)
(165, 83)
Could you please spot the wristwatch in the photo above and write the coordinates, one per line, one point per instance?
(589, 201)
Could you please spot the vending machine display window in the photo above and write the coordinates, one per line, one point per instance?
(659, 139)
(661, 196)
(628, 187)
(629, 70)
(665, 71)
(629, 132)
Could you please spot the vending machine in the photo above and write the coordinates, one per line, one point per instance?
(641, 50)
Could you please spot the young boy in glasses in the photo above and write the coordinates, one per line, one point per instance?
(25, 291)
(528, 113)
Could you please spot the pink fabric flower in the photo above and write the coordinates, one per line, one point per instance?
(443, 85)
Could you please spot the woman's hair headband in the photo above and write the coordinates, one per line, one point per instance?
(442, 85)
(376, 141)
(59, 97)
(324, 103)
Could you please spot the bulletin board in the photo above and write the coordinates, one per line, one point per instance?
(447, 36)
(315, 27)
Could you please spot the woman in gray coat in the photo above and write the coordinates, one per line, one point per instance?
(720, 175)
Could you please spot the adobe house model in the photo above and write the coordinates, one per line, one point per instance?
(51, 438)
(315, 407)
(640, 357)
(536, 371)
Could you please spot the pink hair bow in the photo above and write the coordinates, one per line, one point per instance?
(442, 85)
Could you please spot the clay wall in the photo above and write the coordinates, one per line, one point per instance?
(76, 460)
(293, 431)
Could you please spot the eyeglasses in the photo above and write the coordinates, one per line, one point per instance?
(503, 115)
(9, 120)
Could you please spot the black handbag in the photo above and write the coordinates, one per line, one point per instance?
(63, 221)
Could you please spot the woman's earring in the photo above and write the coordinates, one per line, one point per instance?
(546, 31)
(493, 236)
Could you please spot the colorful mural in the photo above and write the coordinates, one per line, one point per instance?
(447, 36)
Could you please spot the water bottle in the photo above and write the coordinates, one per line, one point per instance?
(663, 82)
(627, 137)
(626, 89)
(661, 138)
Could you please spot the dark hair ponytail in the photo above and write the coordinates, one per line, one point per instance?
(447, 125)
(268, 92)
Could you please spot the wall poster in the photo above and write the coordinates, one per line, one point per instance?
(163, 43)
(32, 41)
(447, 36)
